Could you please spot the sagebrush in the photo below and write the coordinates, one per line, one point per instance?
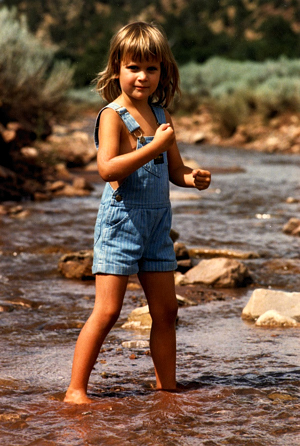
(32, 83)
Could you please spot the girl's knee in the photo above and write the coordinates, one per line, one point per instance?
(106, 316)
(166, 314)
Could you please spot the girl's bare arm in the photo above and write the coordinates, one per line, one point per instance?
(113, 165)
(182, 175)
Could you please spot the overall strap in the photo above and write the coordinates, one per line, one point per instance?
(159, 114)
(126, 117)
(128, 120)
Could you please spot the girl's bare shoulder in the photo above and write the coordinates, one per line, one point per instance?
(110, 117)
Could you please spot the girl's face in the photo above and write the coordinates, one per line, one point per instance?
(139, 79)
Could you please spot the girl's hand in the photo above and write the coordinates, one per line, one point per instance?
(164, 136)
(202, 178)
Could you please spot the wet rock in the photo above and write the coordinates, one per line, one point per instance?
(198, 137)
(292, 227)
(77, 265)
(220, 272)
(180, 279)
(6, 308)
(6, 173)
(292, 200)
(56, 186)
(62, 172)
(174, 235)
(75, 149)
(229, 253)
(139, 319)
(71, 191)
(42, 196)
(30, 153)
(181, 251)
(132, 286)
(136, 344)
(272, 318)
(14, 211)
(185, 301)
(22, 302)
(80, 187)
(82, 184)
(262, 300)
(184, 265)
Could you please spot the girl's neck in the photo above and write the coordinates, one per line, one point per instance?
(140, 106)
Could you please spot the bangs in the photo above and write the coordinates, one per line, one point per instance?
(139, 46)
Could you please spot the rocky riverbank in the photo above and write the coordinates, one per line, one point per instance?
(41, 169)
(281, 134)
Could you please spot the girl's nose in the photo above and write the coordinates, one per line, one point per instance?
(142, 75)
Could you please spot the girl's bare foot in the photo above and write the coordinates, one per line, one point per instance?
(76, 397)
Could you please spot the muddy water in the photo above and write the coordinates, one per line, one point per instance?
(241, 382)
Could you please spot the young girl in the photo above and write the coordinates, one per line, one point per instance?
(134, 220)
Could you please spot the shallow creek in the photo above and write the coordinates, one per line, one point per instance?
(242, 382)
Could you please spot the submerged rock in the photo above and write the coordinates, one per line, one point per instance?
(262, 300)
(220, 272)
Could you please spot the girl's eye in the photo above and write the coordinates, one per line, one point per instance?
(152, 69)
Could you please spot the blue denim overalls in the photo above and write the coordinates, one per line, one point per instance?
(132, 231)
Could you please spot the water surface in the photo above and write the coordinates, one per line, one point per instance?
(242, 382)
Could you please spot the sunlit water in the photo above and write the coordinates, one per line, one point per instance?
(242, 382)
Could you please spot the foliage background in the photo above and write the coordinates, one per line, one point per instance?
(197, 29)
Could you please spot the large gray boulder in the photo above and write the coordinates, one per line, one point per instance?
(263, 300)
(219, 272)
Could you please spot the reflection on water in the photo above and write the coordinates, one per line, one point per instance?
(241, 382)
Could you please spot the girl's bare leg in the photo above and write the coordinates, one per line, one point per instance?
(159, 289)
(110, 292)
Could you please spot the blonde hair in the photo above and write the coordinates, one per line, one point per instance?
(140, 41)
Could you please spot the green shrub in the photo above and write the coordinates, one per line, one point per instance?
(235, 89)
(32, 84)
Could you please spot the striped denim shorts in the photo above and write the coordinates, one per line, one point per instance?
(129, 240)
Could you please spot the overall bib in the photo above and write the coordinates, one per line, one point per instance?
(132, 231)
